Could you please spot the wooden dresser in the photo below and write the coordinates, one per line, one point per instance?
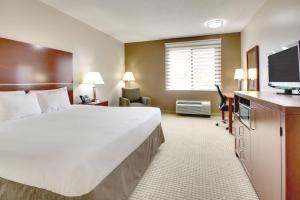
(268, 142)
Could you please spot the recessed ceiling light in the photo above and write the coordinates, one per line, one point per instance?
(215, 23)
(38, 46)
(284, 48)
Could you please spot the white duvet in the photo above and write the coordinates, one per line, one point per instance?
(71, 151)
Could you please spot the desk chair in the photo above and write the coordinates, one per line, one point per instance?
(223, 106)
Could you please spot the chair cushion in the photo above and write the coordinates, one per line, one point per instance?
(137, 105)
(133, 94)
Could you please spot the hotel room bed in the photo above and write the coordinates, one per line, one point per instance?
(80, 153)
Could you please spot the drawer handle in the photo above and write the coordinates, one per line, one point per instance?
(252, 118)
(241, 154)
(233, 130)
(241, 131)
(241, 141)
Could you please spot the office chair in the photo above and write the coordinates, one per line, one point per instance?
(223, 106)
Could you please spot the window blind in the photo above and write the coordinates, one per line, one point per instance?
(194, 65)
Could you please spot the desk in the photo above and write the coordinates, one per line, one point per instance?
(230, 97)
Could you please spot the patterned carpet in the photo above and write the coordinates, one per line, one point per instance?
(197, 162)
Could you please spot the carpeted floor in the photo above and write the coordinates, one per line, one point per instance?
(197, 162)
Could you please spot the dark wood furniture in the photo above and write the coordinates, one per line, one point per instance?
(230, 98)
(253, 62)
(101, 103)
(269, 149)
(27, 67)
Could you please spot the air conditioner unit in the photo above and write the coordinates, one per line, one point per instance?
(193, 107)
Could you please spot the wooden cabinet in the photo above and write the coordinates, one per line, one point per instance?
(266, 152)
(269, 147)
(243, 144)
(246, 152)
(238, 136)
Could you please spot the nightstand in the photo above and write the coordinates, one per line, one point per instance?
(99, 103)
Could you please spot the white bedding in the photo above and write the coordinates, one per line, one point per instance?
(71, 151)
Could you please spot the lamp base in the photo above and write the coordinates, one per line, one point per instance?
(94, 94)
(239, 85)
(127, 84)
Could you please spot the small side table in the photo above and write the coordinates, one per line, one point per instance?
(100, 103)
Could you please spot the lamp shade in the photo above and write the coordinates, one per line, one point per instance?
(128, 76)
(239, 74)
(93, 78)
(252, 73)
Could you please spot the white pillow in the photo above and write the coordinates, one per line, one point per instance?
(52, 100)
(15, 106)
(12, 92)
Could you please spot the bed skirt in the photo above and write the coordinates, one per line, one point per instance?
(118, 185)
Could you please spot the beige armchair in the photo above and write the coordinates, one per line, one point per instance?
(132, 97)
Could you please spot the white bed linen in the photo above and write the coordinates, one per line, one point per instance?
(71, 151)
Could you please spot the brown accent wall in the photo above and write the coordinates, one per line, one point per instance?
(147, 61)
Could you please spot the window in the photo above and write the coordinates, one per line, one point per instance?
(194, 65)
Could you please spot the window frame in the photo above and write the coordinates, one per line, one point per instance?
(192, 45)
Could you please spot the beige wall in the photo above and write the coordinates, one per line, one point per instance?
(147, 61)
(277, 24)
(34, 22)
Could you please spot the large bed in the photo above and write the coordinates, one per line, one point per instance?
(78, 153)
(83, 152)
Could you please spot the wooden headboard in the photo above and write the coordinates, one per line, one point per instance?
(27, 67)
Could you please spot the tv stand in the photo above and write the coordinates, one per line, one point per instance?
(288, 92)
(269, 149)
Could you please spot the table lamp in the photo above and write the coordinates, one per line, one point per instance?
(128, 77)
(93, 78)
(239, 75)
(252, 76)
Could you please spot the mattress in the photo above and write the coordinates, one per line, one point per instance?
(69, 153)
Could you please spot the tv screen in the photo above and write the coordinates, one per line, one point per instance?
(284, 66)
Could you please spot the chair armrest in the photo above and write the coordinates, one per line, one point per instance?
(146, 101)
(124, 101)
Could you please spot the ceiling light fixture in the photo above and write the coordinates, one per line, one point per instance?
(37, 46)
(215, 23)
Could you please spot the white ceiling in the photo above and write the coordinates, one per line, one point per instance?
(142, 20)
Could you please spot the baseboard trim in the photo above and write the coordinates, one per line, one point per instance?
(216, 114)
(168, 112)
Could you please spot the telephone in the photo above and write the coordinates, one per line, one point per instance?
(85, 99)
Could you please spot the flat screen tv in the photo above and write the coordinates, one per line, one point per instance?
(284, 69)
